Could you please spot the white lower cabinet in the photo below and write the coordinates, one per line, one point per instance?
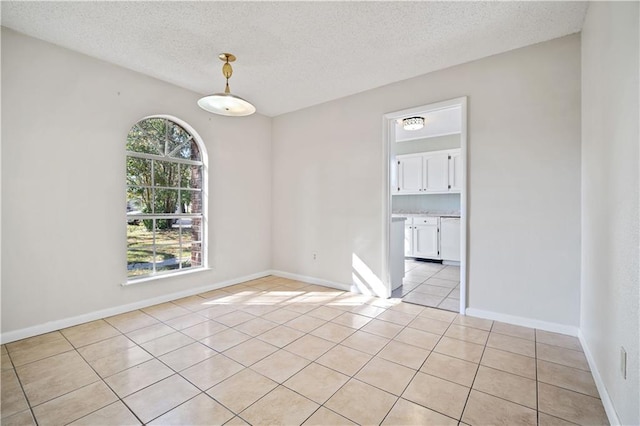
(450, 238)
(408, 237)
(432, 237)
(425, 238)
(422, 237)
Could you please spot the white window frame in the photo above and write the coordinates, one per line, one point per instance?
(204, 199)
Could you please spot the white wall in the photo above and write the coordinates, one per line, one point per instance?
(524, 180)
(610, 187)
(65, 117)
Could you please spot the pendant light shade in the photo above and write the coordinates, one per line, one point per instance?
(413, 123)
(226, 103)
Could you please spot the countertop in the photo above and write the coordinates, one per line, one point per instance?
(426, 213)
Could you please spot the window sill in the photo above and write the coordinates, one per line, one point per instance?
(163, 276)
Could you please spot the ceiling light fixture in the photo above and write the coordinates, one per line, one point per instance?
(413, 123)
(226, 103)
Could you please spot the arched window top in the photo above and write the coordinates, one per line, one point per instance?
(163, 137)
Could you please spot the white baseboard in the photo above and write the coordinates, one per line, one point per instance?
(523, 321)
(47, 327)
(602, 389)
(313, 280)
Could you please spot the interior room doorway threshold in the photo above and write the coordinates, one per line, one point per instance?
(430, 284)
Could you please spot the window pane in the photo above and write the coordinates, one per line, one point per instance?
(191, 176)
(168, 257)
(166, 174)
(154, 130)
(138, 270)
(138, 200)
(184, 227)
(143, 138)
(187, 151)
(138, 171)
(195, 229)
(166, 201)
(167, 237)
(139, 250)
(192, 255)
(167, 245)
(178, 142)
(190, 201)
(191, 246)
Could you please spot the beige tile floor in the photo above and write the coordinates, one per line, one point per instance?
(430, 284)
(276, 351)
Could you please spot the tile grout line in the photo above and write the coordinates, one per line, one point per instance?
(419, 369)
(102, 380)
(278, 384)
(451, 289)
(464, 408)
(24, 394)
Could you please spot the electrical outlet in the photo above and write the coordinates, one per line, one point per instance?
(623, 362)
(314, 256)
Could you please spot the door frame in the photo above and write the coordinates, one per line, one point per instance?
(388, 137)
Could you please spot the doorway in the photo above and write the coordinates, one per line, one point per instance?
(425, 204)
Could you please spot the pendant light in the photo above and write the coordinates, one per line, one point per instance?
(413, 123)
(226, 103)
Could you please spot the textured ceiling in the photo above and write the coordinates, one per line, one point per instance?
(292, 54)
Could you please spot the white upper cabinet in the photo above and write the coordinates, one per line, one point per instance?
(434, 172)
(410, 175)
(455, 172)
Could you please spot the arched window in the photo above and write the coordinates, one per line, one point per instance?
(165, 198)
